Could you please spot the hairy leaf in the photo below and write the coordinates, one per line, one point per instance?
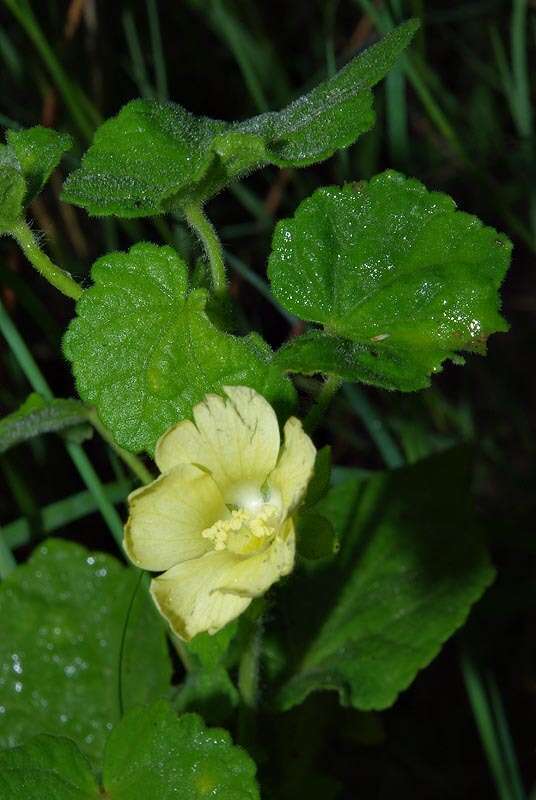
(62, 625)
(399, 279)
(46, 767)
(411, 565)
(12, 189)
(153, 157)
(153, 753)
(38, 415)
(144, 352)
(335, 113)
(39, 151)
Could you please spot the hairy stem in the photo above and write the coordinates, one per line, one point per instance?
(248, 671)
(197, 219)
(326, 394)
(60, 279)
(248, 685)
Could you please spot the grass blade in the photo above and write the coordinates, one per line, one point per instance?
(484, 721)
(84, 113)
(63, 512)
(159, 61)
(76, 452)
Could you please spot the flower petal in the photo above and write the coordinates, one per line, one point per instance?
(236, 438)
(295, 465)
(167, 517)
(208, 592)
(187, 595)
(252, 576)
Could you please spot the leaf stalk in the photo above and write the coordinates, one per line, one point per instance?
(60, 279)
(199, 222)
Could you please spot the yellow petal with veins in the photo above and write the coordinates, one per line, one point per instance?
(236, 438)
(295, 465)
(168, 516)
(207, 593)
(187, 595)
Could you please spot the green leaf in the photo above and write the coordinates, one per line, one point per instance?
(411, 565)
(46, 767)
(12, 189)
(62, 624)
(210, 650)
(335, 113)
(153, 753)
(144, 352)
(400, 280)
(26, 164)
(142, 158)
(316, 537)
(36, 416)
(209, 692)
(154, 157)
(38, 151)
(319, 483)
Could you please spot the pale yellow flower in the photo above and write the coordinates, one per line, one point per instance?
(218, 522)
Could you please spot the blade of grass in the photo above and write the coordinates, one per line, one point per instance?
(260, 285)
(501, 61)
(63, 512)
(505, 738)
(384, 24)
(250, 202)
(521, 96)
(375, 426)
(484, 721)
(76, 452)
(139, 70)
(446, 129)
(331, 68)
(397, 116)
(520, 72)
(83, 111)
(159, 61)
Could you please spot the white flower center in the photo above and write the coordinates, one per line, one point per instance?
(253, 520)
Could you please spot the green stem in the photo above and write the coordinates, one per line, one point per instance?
(60, 279)
(7, 561)
(325, 396)
(182, 652)
(135, 464)
(76, 452)
(197, 219)
(248, 670)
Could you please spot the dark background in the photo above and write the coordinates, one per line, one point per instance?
(461, 121)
